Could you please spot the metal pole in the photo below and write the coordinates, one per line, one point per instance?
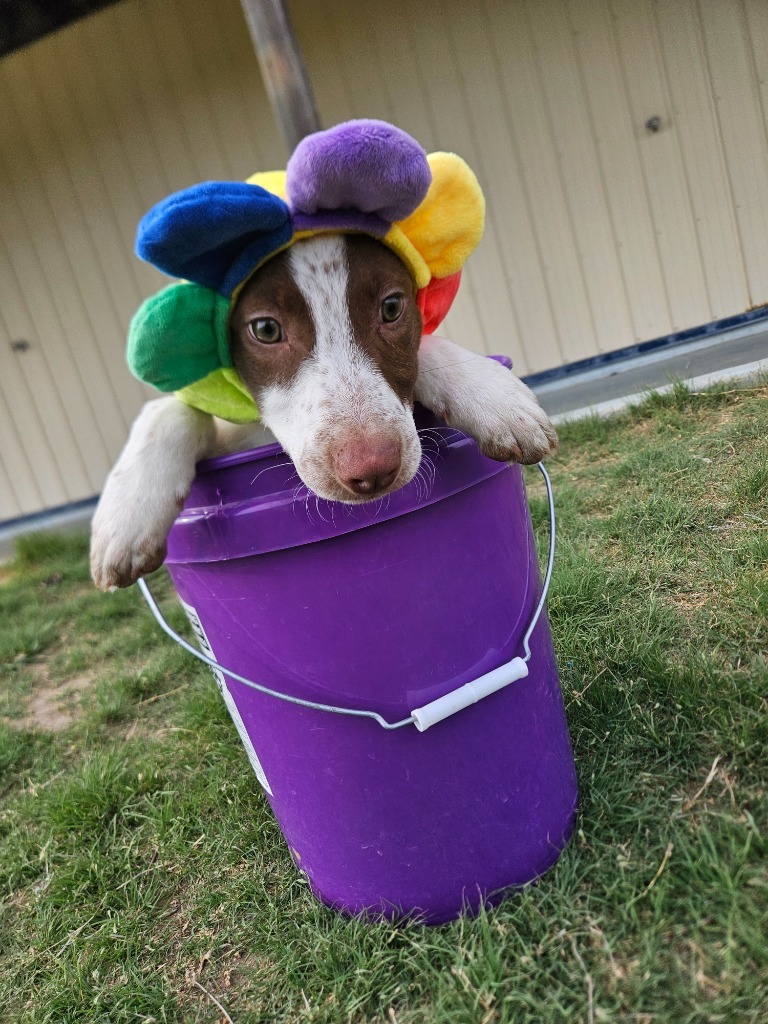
(282, 68)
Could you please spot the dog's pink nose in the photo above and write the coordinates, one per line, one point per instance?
(368, 467)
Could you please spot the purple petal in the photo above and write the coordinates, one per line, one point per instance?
(341, 220)
(368, 166)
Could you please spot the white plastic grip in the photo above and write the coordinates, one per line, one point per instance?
(468, 694)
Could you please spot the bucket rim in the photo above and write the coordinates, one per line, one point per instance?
(216, 462)
(212, 529)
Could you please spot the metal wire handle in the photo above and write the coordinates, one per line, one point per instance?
(470, 692)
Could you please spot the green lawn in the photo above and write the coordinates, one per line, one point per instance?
(142, 877)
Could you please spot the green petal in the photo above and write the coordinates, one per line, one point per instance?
(179, 336)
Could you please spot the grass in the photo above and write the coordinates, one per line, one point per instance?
(142, 877)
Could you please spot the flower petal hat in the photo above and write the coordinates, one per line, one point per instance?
(360, 177)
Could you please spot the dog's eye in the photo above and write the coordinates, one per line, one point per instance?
(392, 308)
(266, 330)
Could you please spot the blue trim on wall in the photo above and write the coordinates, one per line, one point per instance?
(644, 347)
(48, 513)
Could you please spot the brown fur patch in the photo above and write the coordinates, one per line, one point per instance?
(374, 273)
(273, 293)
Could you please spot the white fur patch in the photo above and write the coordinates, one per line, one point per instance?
(482, 398)
(146, 489)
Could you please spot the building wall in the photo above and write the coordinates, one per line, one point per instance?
(97, 123)
(600, 232)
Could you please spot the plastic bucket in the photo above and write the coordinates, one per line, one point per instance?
(385, 608)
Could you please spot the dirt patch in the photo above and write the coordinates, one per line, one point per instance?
(690, 601)
(52, 706)
(576, 458)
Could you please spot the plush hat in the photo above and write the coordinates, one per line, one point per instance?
(360, 177)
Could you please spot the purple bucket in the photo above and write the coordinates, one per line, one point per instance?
(385, 608)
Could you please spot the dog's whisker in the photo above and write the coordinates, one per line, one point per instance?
(428, 480)
(469, 358)
(439, 438)
(429, 435)
(266, 469)
(299, 497)
(420, 485)
(425, 482)
(440, 432)
(317, 507)
(426, 448)
(307, 508)
(431, 465)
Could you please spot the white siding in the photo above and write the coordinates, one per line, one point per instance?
(97, 123)
(600, 233)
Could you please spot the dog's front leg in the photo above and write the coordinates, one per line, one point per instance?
(484, 399)
(145, 490)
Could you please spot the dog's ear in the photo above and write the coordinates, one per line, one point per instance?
(215, 233)
(179, 336)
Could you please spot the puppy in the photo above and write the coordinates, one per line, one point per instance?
(327, 338)
(307, 299)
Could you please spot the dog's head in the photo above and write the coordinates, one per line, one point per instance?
(326, 337)
(306, 293)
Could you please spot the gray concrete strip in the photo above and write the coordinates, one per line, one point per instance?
(653, 370)
(612, 405)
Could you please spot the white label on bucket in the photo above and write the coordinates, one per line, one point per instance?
(229, 700)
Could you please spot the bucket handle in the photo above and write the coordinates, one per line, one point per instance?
(423, 717)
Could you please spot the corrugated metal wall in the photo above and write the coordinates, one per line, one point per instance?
(600, 232)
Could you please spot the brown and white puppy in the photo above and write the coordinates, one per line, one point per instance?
(327, 338)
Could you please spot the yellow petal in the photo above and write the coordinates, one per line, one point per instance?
(271, 181)
(449, 223)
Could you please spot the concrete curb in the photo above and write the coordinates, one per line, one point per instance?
(614, 405)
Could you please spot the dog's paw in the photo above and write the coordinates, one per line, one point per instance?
(145, 491)
(130, 528)
(493, 406)
(484, 399)
(118, 561)
(514, 429)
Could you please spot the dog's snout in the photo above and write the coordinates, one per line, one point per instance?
(368, 466)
